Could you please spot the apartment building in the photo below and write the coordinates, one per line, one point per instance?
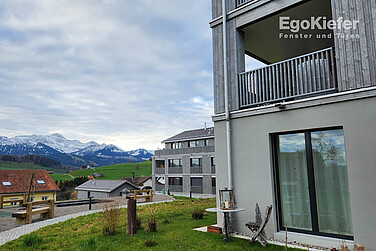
(187, 164)
(301, 128)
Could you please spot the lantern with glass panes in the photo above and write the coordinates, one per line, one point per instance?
(226, 198)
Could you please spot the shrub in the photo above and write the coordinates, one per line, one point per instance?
(150, 243)
(151, 221)
(32, 240)
(197, 214)
(111, 217)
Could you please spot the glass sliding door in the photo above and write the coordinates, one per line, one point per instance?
(332, 190)
(293, 180)
(312, 183)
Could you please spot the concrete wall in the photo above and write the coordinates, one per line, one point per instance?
(252, 166)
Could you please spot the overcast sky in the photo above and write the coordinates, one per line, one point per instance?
(127, 72)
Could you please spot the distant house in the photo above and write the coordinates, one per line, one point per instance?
(50, 172)
(142, 182)
(18, 182)
(103, 188)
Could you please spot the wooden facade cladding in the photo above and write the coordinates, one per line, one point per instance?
(355, 58)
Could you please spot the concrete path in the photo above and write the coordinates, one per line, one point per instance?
(17, 232)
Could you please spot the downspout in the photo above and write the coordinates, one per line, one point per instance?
(225, 80)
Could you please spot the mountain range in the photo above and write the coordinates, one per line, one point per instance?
(70, 152)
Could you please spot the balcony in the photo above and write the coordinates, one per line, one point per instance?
(174, 170)
(214, 190)
(197, 189)
(189, 150)
(197, 169)
(159, 187)
(308, 75)
(175, 188)
(241, 2)
(213, 170)
(160, 170)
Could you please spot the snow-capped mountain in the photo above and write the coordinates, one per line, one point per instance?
(141, 153)
(55, 141)
(70, 152)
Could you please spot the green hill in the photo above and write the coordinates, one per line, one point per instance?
(113, 172)
(10, 165)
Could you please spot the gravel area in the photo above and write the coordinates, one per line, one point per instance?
(8, 222)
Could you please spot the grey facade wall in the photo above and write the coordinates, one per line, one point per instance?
(253, 170)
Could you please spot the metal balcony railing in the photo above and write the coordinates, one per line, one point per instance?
(213, 169)
(214, 190)
(160, 170)
(159, 187)
(197, 189)
(308, 75)
(175, 188)
(175, 170)
(196, 169)
(241, 2)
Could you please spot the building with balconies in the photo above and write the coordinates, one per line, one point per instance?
(298, 133)
(187, 164)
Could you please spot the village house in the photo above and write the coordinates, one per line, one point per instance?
(17, 183)
(104, 188)
(141, 182)
(298, 133)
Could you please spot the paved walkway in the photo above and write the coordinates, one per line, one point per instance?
(17, 232)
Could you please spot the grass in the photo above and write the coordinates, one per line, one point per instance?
(85, 232)
(59, 176)
(115, 172)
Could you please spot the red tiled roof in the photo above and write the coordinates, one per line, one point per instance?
(20, 181)
(138, 181)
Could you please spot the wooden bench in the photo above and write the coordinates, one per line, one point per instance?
(21, 202)
(138, 194)
(25, 216)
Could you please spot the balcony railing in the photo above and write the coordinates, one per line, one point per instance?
(213, 169)
(188, 150)
(197, 189)
(214, 190)
(307, 75)
(175, 170)
(159, 187)
(175, 188)
(196, 169)
(160, 170)
(241, 2)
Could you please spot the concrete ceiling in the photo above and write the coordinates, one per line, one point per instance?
(262, 39)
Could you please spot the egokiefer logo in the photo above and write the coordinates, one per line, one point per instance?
(310, 28)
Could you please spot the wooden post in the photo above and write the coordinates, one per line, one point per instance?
(1, 201)
(132, 215)
(51, 209)
(150, 195)
(29, 215)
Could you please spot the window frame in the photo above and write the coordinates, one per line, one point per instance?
(199, 161)
(311, 182)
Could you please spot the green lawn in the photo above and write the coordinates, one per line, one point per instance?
(59, 176)
(115, 172)
(85, 232)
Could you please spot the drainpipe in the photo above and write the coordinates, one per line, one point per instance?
(228, 124)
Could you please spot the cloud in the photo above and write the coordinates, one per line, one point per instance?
(126, 72)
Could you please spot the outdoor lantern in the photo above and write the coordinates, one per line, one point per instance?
(226, 198)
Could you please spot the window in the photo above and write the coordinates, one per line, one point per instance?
(41, 182)
(160, 163)
(194, 143)
(44, 197)
(312, 183)
(212, 161)
(196, 181)
(213, 182)
(196, 162)
(6, 183)
(176, 145)
(174, 163)
(177, 181)
(206, 142)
